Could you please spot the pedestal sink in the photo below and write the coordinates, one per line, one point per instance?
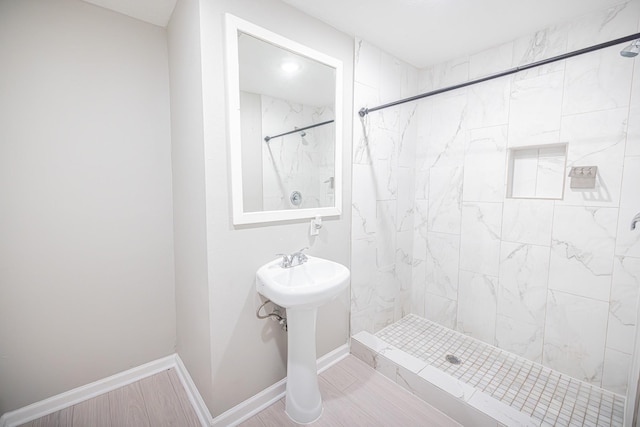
(301, 289)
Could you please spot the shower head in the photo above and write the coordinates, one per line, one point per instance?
(632, 50)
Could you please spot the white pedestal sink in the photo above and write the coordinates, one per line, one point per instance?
(301, 290)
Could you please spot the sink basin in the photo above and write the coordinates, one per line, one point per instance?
(301, 290)
(311, 284)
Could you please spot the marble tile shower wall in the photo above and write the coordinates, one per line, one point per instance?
(555, 281)
(296, 162)
(382, 196)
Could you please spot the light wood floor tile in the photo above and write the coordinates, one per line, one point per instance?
(127, 407)
(93, 412)
(355, 395)
(274, 416)
(51, 420)
(66, 417)
(339, 377)
(160, 399)
(183, 399)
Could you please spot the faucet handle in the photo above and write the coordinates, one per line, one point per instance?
(302, 258)
(286, 260)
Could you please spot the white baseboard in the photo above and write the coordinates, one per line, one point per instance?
(232, 417)
(270, 395)
(197, 402)
(85, 392)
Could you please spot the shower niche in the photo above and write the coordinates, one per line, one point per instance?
(537, 172)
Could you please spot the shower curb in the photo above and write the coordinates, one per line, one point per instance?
(453, 397)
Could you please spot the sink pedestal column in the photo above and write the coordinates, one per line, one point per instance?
(303, 400)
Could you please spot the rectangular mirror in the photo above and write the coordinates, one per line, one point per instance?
(285, 113)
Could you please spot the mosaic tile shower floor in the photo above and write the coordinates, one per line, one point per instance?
(549, 397)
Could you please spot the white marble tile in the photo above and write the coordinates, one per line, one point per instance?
(521, 338)
(391, 72)
(551, 171)
(534, 110)
(418, 286)
(596, 139)
(360, 348)
(442, 264)
(369, 340)
(362, 320)
(423, 120)
(446, 382)
(446, 139)
(441, 310)
(480, 237)
(363, 202)
(523, 172)
(406, 204)
(477, 303)
(582, 250)
(364, 128)
(633, 126)
(421, 186)
(527, 221)
(404, 259)
(420, 227)
(445, 74)
(385, 176)
(575, 335)
(616, 371)
(623, 307)
(603, 25)
(484, 165)
(408, 134)
(456, 408)
(543, 44)
(628, 241)
(402, 358)
(491, 61)
(367, 63)
(363, 274)
(386, 233)
(522, 291)
(596, 81)
(488, 103)
(501, 412)
(445, 197)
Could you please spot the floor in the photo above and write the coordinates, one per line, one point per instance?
(356, 395)
(159, 400)
(353, 395)
(548, 397)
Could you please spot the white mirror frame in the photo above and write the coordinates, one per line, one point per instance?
(233, 24)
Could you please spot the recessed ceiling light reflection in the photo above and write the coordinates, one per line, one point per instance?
(290, 67)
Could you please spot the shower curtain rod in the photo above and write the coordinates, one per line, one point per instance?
(364, 111)
(267, 138)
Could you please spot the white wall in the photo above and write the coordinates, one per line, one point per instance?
(187, 157)
(86, 247)
(249, 354)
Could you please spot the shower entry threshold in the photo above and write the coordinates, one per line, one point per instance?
(477, 384)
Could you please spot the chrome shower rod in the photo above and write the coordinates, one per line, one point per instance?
(268, 138)
(364, 111)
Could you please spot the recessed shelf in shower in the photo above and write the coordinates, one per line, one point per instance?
(537, 172)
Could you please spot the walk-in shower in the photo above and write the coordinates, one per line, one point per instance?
(519, 310)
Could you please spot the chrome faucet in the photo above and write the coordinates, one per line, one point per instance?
(293, 259)
(634, 221)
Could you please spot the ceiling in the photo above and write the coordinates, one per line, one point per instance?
(420, 32)
(260, 69)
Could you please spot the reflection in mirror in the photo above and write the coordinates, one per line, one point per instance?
(280, 92)
(285, 145)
